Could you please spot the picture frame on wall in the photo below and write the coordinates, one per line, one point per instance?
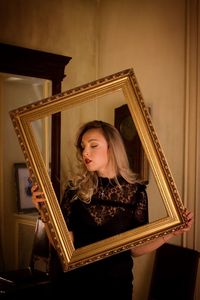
(23, 189)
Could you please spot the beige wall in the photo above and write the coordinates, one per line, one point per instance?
(150, 36)
(61, 27)
(159, 39)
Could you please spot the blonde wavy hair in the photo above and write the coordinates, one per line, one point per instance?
(85, 182)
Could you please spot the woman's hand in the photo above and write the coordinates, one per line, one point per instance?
(37, 196)
(189, 221)
(153, 245)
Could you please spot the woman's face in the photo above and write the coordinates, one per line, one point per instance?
(96, 152)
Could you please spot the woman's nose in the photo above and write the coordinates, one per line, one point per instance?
(85, 152)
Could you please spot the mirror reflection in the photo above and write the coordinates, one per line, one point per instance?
(16, 91)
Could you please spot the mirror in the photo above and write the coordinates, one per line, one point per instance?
(99, 100)
(44, 65)
(34, 66)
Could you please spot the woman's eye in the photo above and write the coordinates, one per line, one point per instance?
(94, 146)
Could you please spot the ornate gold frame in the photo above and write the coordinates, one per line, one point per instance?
(126, 82)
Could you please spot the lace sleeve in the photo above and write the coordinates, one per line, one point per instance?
(66, 206)
(141, 215)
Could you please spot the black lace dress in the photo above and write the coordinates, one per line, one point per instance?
(111, 211)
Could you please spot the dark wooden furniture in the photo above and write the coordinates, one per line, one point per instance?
(45, 65)
(174, 273)
(24, 284)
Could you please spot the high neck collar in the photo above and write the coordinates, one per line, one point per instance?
(105, 180)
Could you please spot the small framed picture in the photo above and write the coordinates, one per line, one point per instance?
(23, 188)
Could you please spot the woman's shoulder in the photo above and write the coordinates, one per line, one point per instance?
(137, 184)
(141, 185)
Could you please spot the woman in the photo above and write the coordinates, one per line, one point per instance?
(103, 199)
